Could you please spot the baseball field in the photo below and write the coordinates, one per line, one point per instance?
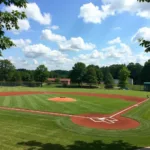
(96, 119)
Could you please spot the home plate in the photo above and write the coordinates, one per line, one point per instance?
(104, 119)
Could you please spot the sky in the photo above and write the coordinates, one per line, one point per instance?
(59, 34)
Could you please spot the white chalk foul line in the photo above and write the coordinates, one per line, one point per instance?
(135, 105)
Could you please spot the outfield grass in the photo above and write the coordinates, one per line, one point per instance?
(25, 131)
(83, 104)
(105, 91)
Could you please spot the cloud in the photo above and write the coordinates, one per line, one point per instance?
(142, 33)
(35, 62)
(50, 36)
(33, 12)
(54, 27)
(93, 14)
(37, 50)
(75, 44)
(95, 57)
(115, 41)
(24, 25)
(21, 43)
(117, 52)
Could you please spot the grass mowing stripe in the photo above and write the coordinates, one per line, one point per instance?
(6, 100)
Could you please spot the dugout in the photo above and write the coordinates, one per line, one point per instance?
(146, 86)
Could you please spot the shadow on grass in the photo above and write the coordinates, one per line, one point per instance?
(78, 145)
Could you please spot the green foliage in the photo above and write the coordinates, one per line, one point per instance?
(145, 44)
(41, 73)
(90, 76)
(145, 74)
(123, 77)
(9, 20)
(6, 68)
(57, 80)
(78, 72)
(15, 77)
(144, 1)
(26, 76)
(99, 74)
(114, 70)
(135, 70)
(59, 74)
(109, 81)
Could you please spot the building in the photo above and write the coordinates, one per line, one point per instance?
(146, 86)
(130, 81)
(66, 81)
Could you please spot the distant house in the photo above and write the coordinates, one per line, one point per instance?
(66, 81)
(130, 81)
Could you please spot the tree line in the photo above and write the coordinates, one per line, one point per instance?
(80, 73)
(95, 75)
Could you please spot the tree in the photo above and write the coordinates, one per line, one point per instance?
(6, 68)
(114, 70)
(41, 73)
(135, 70)
(78, 72)
(145, 74)
(15, 77)
(123, 77)
(145, 43)
(90, 76)
(9, 20)
(109, 81)
(144, 0)
(26, 76)
(99, 73)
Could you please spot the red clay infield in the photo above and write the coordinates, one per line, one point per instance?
(113, 121)
(62, 99)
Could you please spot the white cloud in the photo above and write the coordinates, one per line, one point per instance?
(50, 36)
(95, 57)
(37, 50)
(54, 27)
(76, 44)
(117, 52)
(115, 41)
(21, 43)
(142, 33)
(33, 12)
(35, 62)
(93, 14)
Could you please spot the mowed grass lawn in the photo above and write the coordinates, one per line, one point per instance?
(26, 131)
(83, 104)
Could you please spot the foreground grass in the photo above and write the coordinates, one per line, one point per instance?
(42, 132)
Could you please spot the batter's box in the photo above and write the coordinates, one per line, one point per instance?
(104, 119)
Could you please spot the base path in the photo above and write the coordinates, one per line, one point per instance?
(113, 121)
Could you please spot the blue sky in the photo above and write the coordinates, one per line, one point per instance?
(61, 33)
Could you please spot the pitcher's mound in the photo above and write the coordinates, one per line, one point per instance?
(62, 99)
